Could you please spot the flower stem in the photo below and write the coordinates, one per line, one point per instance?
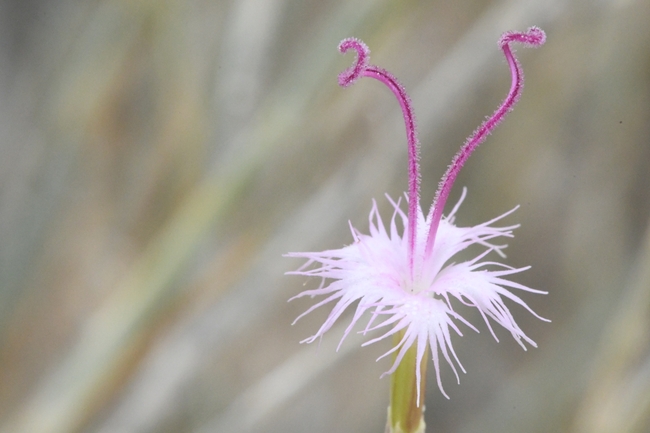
(406, 413)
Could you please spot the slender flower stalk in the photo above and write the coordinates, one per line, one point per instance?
(404, 278)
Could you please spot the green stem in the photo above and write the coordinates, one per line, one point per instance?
(405, 413)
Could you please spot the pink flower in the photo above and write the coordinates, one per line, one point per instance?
(402, 274)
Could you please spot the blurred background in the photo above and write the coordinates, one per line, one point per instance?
(159, 157)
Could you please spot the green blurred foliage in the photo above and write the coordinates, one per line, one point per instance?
(158, 158)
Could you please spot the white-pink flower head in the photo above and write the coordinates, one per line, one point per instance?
(401, 273)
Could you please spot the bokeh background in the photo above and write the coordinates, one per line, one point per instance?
(159, 156)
